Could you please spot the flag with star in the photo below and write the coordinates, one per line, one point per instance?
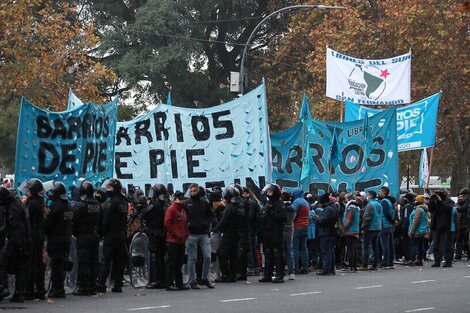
(370, 82)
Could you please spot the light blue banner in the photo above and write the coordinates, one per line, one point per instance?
(360, 167)
(416, 123)
(219, 145)
(66, 145)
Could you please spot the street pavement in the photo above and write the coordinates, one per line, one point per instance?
(403, 289)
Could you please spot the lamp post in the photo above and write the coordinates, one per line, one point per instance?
(248, 42)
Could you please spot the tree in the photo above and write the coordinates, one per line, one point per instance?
(44, 52)
(438, 34)
(190, 45)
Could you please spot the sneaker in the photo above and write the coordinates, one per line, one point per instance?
(183, 287)
(172, 288)
(447, 265)
(322, 273)
(291, 276)
(278, 280)
(207, 283)
(101, 289)
(362, 269)
(117, 289)
(195, 286)
(81, 292)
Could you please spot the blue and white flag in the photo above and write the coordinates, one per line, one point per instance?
(73, 102)
(213, 146)
(423, 169)
(416, 123)
(304, 162)
(371, 82)
(66, 146)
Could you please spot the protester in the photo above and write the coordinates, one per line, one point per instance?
(351, 230)
(441, 216)
(301, 224)
(327, 234)
(371, 227)
(418, 229)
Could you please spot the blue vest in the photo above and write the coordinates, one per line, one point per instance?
(376, 223)
(423, 224)
(354, 226)
(453, 224)
(311, 225)
(387, 207)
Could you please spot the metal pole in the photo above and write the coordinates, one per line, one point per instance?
(248, 42)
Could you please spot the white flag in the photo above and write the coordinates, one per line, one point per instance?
(73, 101)
(372, 82)
(423, 169)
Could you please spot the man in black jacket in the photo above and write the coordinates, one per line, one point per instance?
(229, 226)
(441, 215)
(327, 234)
(86, 226)
(114, 225)
(272, 218)
(58, 230)
(463, 207)
(200, 216)
(15, 254)
(153, 217)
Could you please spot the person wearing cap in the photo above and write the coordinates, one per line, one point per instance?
(388, 227)
(327, 234)
(176, 223)
(441, 222)
(371, 227)
(418, 229)
(58, 229)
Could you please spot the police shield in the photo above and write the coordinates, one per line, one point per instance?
(139, 260)
(71, 268)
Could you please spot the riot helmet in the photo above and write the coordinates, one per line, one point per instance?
(231, 193)
(55, 190)
(159, 191)
(272, 192)
(113, 186)
(34, 186)
(86, 189)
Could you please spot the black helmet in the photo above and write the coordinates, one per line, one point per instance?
(5, 196)
(142, 200)
(158, 191)
(276, 191)
(86, 189)
(55, 190)
(34, 186)
(113, 183)
(230, 193)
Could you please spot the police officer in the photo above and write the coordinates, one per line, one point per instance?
(86, 224)
(229, 226)
(153, 217)
(272, 218)
(37, 216)
(115, 235)
(58, 230)
(15, 255)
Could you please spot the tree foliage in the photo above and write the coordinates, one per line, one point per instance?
(190, 45)
(44, 52)
(438, 34)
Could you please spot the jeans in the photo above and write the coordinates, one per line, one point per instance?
(370, 237)
(289, 254)
(417, 247)
(201, 240)
(300, 247)
(352, 251)
(386, 240)
(327, 249)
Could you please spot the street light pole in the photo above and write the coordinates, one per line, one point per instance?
(248, 42)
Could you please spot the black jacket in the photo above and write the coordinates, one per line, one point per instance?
(115, 218)
(327, 220)
(87, 218)
(17, 226)
(441, 215)
(58, 224)
(272, 217)
(154, 219)
(37, 220)
(199, 215)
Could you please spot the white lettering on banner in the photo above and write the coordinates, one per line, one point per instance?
(409, 146)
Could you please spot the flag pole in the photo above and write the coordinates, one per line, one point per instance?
(329, 176)
(342, 107)
(430, 166)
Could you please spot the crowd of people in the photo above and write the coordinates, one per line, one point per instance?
(275, 234)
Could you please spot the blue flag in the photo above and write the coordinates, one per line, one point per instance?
(367, 140)
(335, 156)
(305, 115)
(168, 99)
